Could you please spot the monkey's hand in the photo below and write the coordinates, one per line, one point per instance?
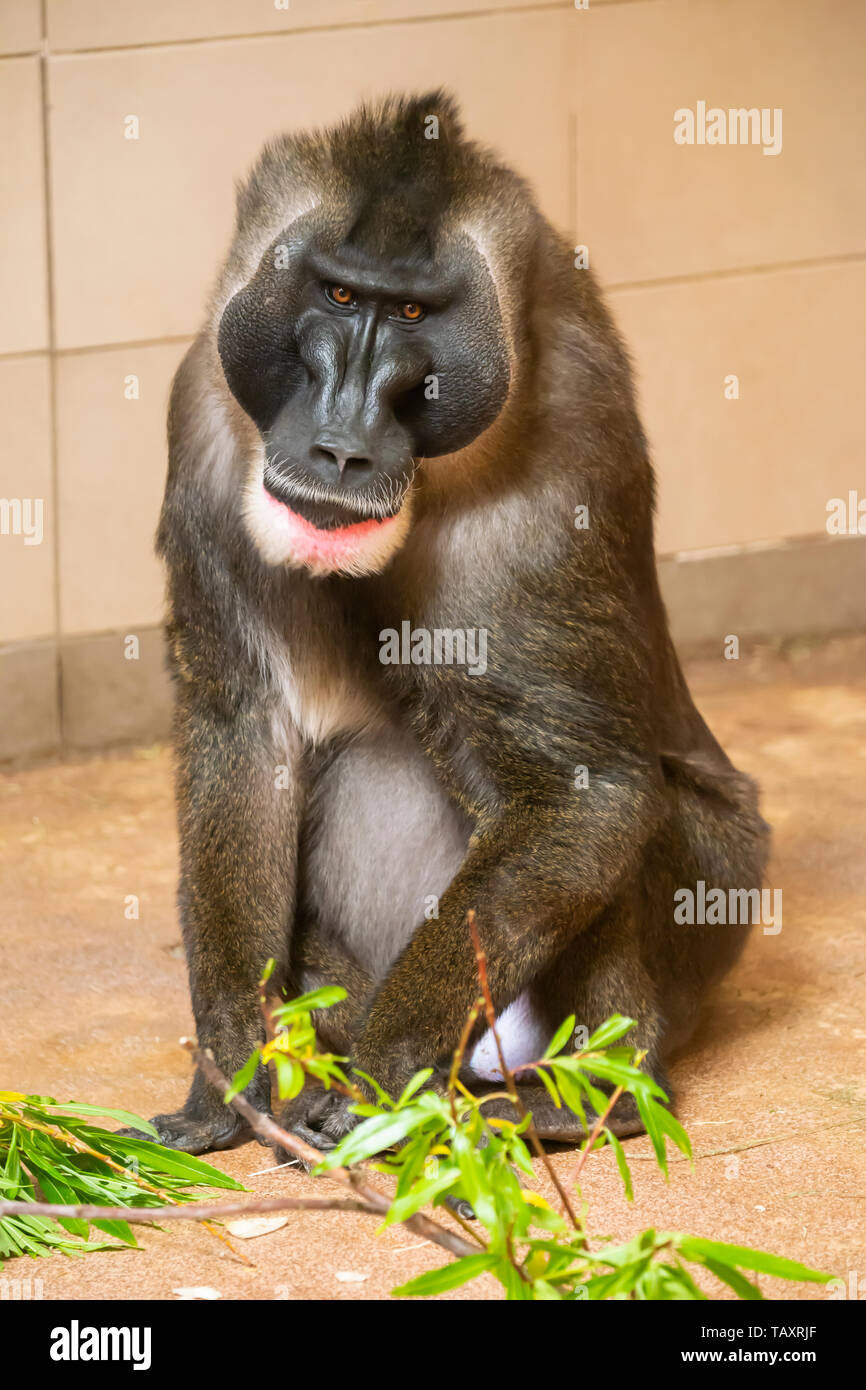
(320, 1118)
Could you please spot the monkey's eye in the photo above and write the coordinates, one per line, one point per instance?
(338, 294)
(410, 312)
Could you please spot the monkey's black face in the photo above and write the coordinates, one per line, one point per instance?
(353, 368)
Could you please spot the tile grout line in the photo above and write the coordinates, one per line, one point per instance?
(736, 272)
(118, 345)
(52, 362)
(347, 24)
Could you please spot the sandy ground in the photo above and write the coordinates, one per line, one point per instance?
(772, 1089)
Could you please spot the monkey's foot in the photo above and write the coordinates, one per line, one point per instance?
(194, 1134)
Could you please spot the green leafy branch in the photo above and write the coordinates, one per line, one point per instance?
(50, 1150)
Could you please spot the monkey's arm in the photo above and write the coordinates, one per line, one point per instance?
(535, 878)
(237, 829)
(548, 855)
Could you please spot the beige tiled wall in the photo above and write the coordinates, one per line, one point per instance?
(26, 568)
(760, 466)
(23, 261)
(141, 268)
(718, 260)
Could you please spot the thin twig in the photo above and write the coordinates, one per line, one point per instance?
(274, 1133)
(198, 1211)
(457, 1059)
(531, 1131)
(596, 1131)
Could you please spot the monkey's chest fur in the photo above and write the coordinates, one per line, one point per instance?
(381, 840)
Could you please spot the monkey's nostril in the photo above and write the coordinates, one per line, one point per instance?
(333, 458)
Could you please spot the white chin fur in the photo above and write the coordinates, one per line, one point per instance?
(282, 539)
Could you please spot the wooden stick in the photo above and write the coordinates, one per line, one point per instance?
(195, 1211)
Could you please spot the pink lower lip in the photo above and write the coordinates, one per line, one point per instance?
(315, 546)
(318, 533)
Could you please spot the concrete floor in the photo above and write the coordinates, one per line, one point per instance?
(772, 1089)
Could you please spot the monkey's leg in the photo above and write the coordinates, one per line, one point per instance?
(599, 974)
(238, 832)
(563, 1124)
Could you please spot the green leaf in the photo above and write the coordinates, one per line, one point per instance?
(743, 1287)
(613, 1028)
(543, 1292)
(623, 1280)
(597, 1099)
(517, 1289)
(649, 1112)
(422, 1193)
(698, 1250)
(124, 1117)
(414, 1085)
(621, 1163)
(674, 1130)
(475, 1187)
(547, 1082)
(382, 1096)
(675, 1277)
(448, 1277)
(290, 1076)
(242, 1078)
(157, 1159)
(322, 998)
(570, 1090)
(120, 1229)
(561, 1036)
(374, 1135)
